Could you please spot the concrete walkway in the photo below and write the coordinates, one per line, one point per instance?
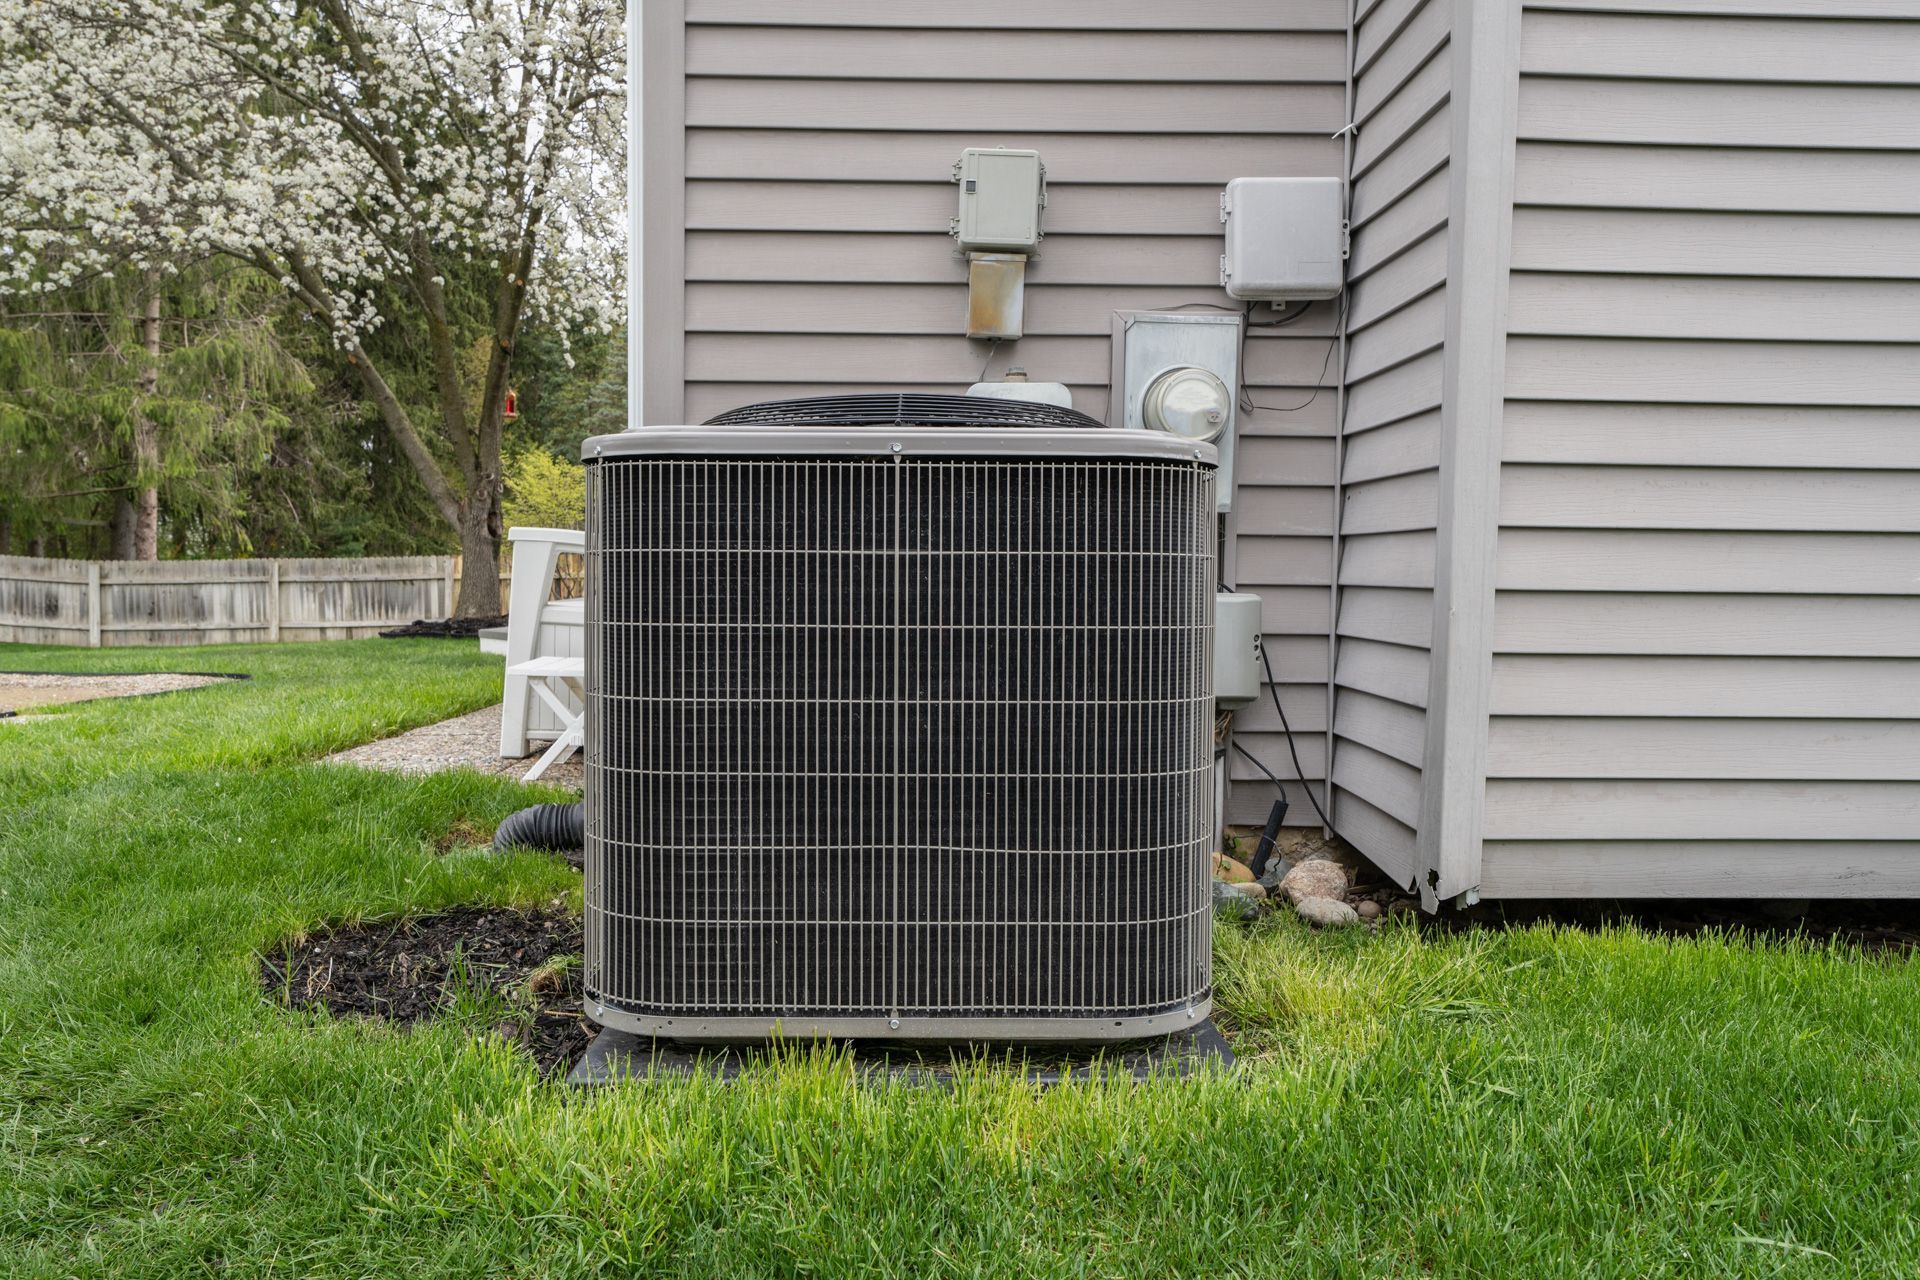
(472, 741)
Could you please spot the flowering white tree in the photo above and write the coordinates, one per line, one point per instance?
(459, 156)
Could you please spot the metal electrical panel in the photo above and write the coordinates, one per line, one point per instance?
(1001, 194)
(1148, 344)
(996, 295)
(1286, 239)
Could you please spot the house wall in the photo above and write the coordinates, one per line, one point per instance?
(797, 165)
(1390, 445)
(1705, 673)
(1613, 520)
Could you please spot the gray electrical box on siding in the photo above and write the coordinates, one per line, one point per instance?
(1001, 194)
(1236, 649)
(1286, 238)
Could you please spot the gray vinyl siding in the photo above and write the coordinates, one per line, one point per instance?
(1706, 658)
(813, 167)
(1608, 510)
(1390, 445)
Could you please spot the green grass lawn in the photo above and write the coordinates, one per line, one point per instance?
(1535, 1103)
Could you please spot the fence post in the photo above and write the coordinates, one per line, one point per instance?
(93, 604)
(273, 602)
(450, 586)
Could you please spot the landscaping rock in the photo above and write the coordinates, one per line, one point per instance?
(1367, 909)
(1229, 901)
(1277, 868)
(1314, 879)
(1225, 868)
(1325, 913)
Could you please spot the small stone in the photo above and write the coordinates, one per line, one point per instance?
(1225, 868)
(1325, 913)
(1367, 909)
(1229, 901)
(1252, 888)
(1315, 879)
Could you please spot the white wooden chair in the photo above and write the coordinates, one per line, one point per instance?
(539, 626)
(557, 682)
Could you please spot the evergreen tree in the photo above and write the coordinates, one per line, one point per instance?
(136, 409)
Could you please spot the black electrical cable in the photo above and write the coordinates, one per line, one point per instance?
(1275, 815)
(1247, 402)
(1280, 321)
(1273, 691)
(1255, 761)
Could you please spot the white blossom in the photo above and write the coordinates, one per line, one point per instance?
(338, 145)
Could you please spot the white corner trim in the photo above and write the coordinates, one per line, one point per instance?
(1484, 49)
(636, 225)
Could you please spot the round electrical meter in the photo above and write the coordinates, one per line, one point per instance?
(1187, 401)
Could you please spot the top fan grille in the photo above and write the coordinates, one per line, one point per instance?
(892, 409)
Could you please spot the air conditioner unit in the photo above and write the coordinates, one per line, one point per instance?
(899, 724)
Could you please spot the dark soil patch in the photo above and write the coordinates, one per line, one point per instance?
(1871, 924)
(446, 628)
(416, 969)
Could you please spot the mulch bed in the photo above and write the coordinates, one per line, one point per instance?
(404, 971)
(445, 629)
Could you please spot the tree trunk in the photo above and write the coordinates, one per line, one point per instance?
(122, 529)
(473, 511)
(146, 445)
(479, 562)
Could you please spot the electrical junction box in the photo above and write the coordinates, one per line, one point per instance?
(1286, 239)
(1236, 649)
(1001, 194)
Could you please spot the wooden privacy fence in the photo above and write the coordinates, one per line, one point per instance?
(121, 602)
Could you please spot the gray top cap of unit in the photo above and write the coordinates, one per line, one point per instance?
(944, 442)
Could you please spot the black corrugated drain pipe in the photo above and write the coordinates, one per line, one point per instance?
(559, 827)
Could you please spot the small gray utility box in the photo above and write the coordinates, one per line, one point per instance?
(1001, 194)
(1286, 239)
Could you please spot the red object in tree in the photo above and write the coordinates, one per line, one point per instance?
(513, 404)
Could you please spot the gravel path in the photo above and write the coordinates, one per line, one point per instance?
(21, 690)
(470, 741)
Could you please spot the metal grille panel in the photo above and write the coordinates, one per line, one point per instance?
(921, 738)
(901, 409)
